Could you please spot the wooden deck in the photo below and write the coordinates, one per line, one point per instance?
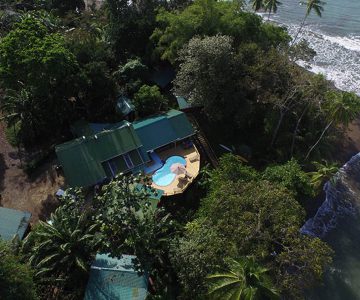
(192, 157)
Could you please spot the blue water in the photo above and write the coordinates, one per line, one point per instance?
(164, 176)
(335, 37)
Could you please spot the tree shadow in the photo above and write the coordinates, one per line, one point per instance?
(14, 155)
(48, 206)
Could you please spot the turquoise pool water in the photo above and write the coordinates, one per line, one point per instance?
(164, 176)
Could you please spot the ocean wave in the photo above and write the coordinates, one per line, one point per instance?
(351, 43)
(338, 58)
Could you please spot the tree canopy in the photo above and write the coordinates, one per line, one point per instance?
(60, 63)
(244, 279)
(209, 17)
(16, 277)
(255, 217)
(36, 60)
(149, 100)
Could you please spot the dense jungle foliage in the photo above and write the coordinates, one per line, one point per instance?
(60, 62)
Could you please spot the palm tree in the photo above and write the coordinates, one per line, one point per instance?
(324, 171)
(257, 4)
(20, 107)
(16, 108)
(342, 108)
(271, 6)
(244, 279)
(14, 105)
(311, 5)
(62, 248)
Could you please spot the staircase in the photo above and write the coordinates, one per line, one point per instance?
(202, 143)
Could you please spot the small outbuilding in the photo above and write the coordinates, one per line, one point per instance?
(112, 278)
(125, 108)
(13, 222)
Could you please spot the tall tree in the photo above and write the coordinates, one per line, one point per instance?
(311, 5)
(130, 25)
(246, 216)
(257, 4)
(341, 108)
(271, 6)
(208, 18)
(244, 279)
(313, 94)
(34, 58)
(209, 76)
(19, 112)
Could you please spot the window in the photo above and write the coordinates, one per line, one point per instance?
(122, 163)
(128, 160)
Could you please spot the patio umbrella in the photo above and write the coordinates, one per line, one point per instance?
(178, 169)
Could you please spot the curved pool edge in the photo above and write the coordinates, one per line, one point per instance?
(163, 176)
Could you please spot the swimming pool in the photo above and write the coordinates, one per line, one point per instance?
(164, 176)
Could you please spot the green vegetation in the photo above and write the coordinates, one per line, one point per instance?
(61, 251)
(244, 217)
(311, 5)
(16, 277)
(291, 176)
(324, 171)
(59, 64)
(38, 73)
(148, 100)
(119, 220)
(208, 18)
(245, 279)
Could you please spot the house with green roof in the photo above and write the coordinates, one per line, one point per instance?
(161, 130)
(103, 150)
(112, 278)
(13, 222)
(90, 159)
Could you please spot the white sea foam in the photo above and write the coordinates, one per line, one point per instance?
(338, 58)
(351, 43)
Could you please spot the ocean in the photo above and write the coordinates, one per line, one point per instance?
(335, 37)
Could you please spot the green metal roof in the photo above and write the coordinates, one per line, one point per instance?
(83, 128)
(112, 278)
(180, 124)
(13, 222)
(160, 130)
(183, 104)
(81, 158)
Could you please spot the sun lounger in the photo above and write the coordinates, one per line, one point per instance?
(189, 175)
(177, 190)
(194, 158)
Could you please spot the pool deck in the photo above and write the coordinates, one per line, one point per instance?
(192, 158)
